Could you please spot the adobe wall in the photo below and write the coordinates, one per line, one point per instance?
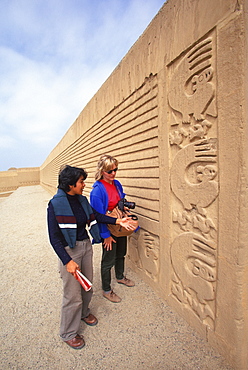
(10, 180)
(174, 113)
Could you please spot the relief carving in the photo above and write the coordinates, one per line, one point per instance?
(194, 179)
(191, 90)
(194, 263)
(188, 221)
(199, 190)
(144, 252)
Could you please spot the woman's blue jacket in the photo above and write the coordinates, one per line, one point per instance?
(99, 201)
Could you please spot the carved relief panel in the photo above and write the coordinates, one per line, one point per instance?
(144, 252)
(194, 178)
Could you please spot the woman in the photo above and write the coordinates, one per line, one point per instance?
(104, 197)
(68, 214)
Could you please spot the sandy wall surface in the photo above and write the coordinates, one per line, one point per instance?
(141, 332)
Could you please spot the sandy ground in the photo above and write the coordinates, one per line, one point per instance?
(141, 332)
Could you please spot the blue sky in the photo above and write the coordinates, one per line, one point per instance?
(54, 56)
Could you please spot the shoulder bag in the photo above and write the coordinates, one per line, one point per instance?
(118, 230)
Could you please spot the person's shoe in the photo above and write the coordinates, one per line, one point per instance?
(126, 282)
(77, 342)
(90, 320)
(111, 296)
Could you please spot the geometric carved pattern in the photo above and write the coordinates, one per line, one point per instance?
(194, 179)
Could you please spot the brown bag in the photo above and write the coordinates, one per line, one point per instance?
(118, 230)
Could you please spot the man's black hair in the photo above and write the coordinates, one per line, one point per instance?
(69, 176)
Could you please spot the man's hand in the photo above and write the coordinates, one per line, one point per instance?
(72, 267)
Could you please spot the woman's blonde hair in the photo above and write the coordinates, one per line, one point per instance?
(105, 164)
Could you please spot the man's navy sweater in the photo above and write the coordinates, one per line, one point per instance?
(56, 237)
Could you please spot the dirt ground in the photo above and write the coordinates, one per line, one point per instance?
(141, 332)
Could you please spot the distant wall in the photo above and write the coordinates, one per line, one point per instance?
(174, 113)
(12, 179)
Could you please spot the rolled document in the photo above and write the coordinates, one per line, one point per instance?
(86, 284)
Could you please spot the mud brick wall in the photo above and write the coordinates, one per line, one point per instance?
(15, 177)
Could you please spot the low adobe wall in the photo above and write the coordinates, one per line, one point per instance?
(10, 180)
(174, 113)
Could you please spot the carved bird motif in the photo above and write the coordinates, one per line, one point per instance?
(190, 90)
(204, 191)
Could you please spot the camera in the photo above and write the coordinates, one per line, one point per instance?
(124, 203)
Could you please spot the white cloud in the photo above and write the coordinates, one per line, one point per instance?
(41, 103)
